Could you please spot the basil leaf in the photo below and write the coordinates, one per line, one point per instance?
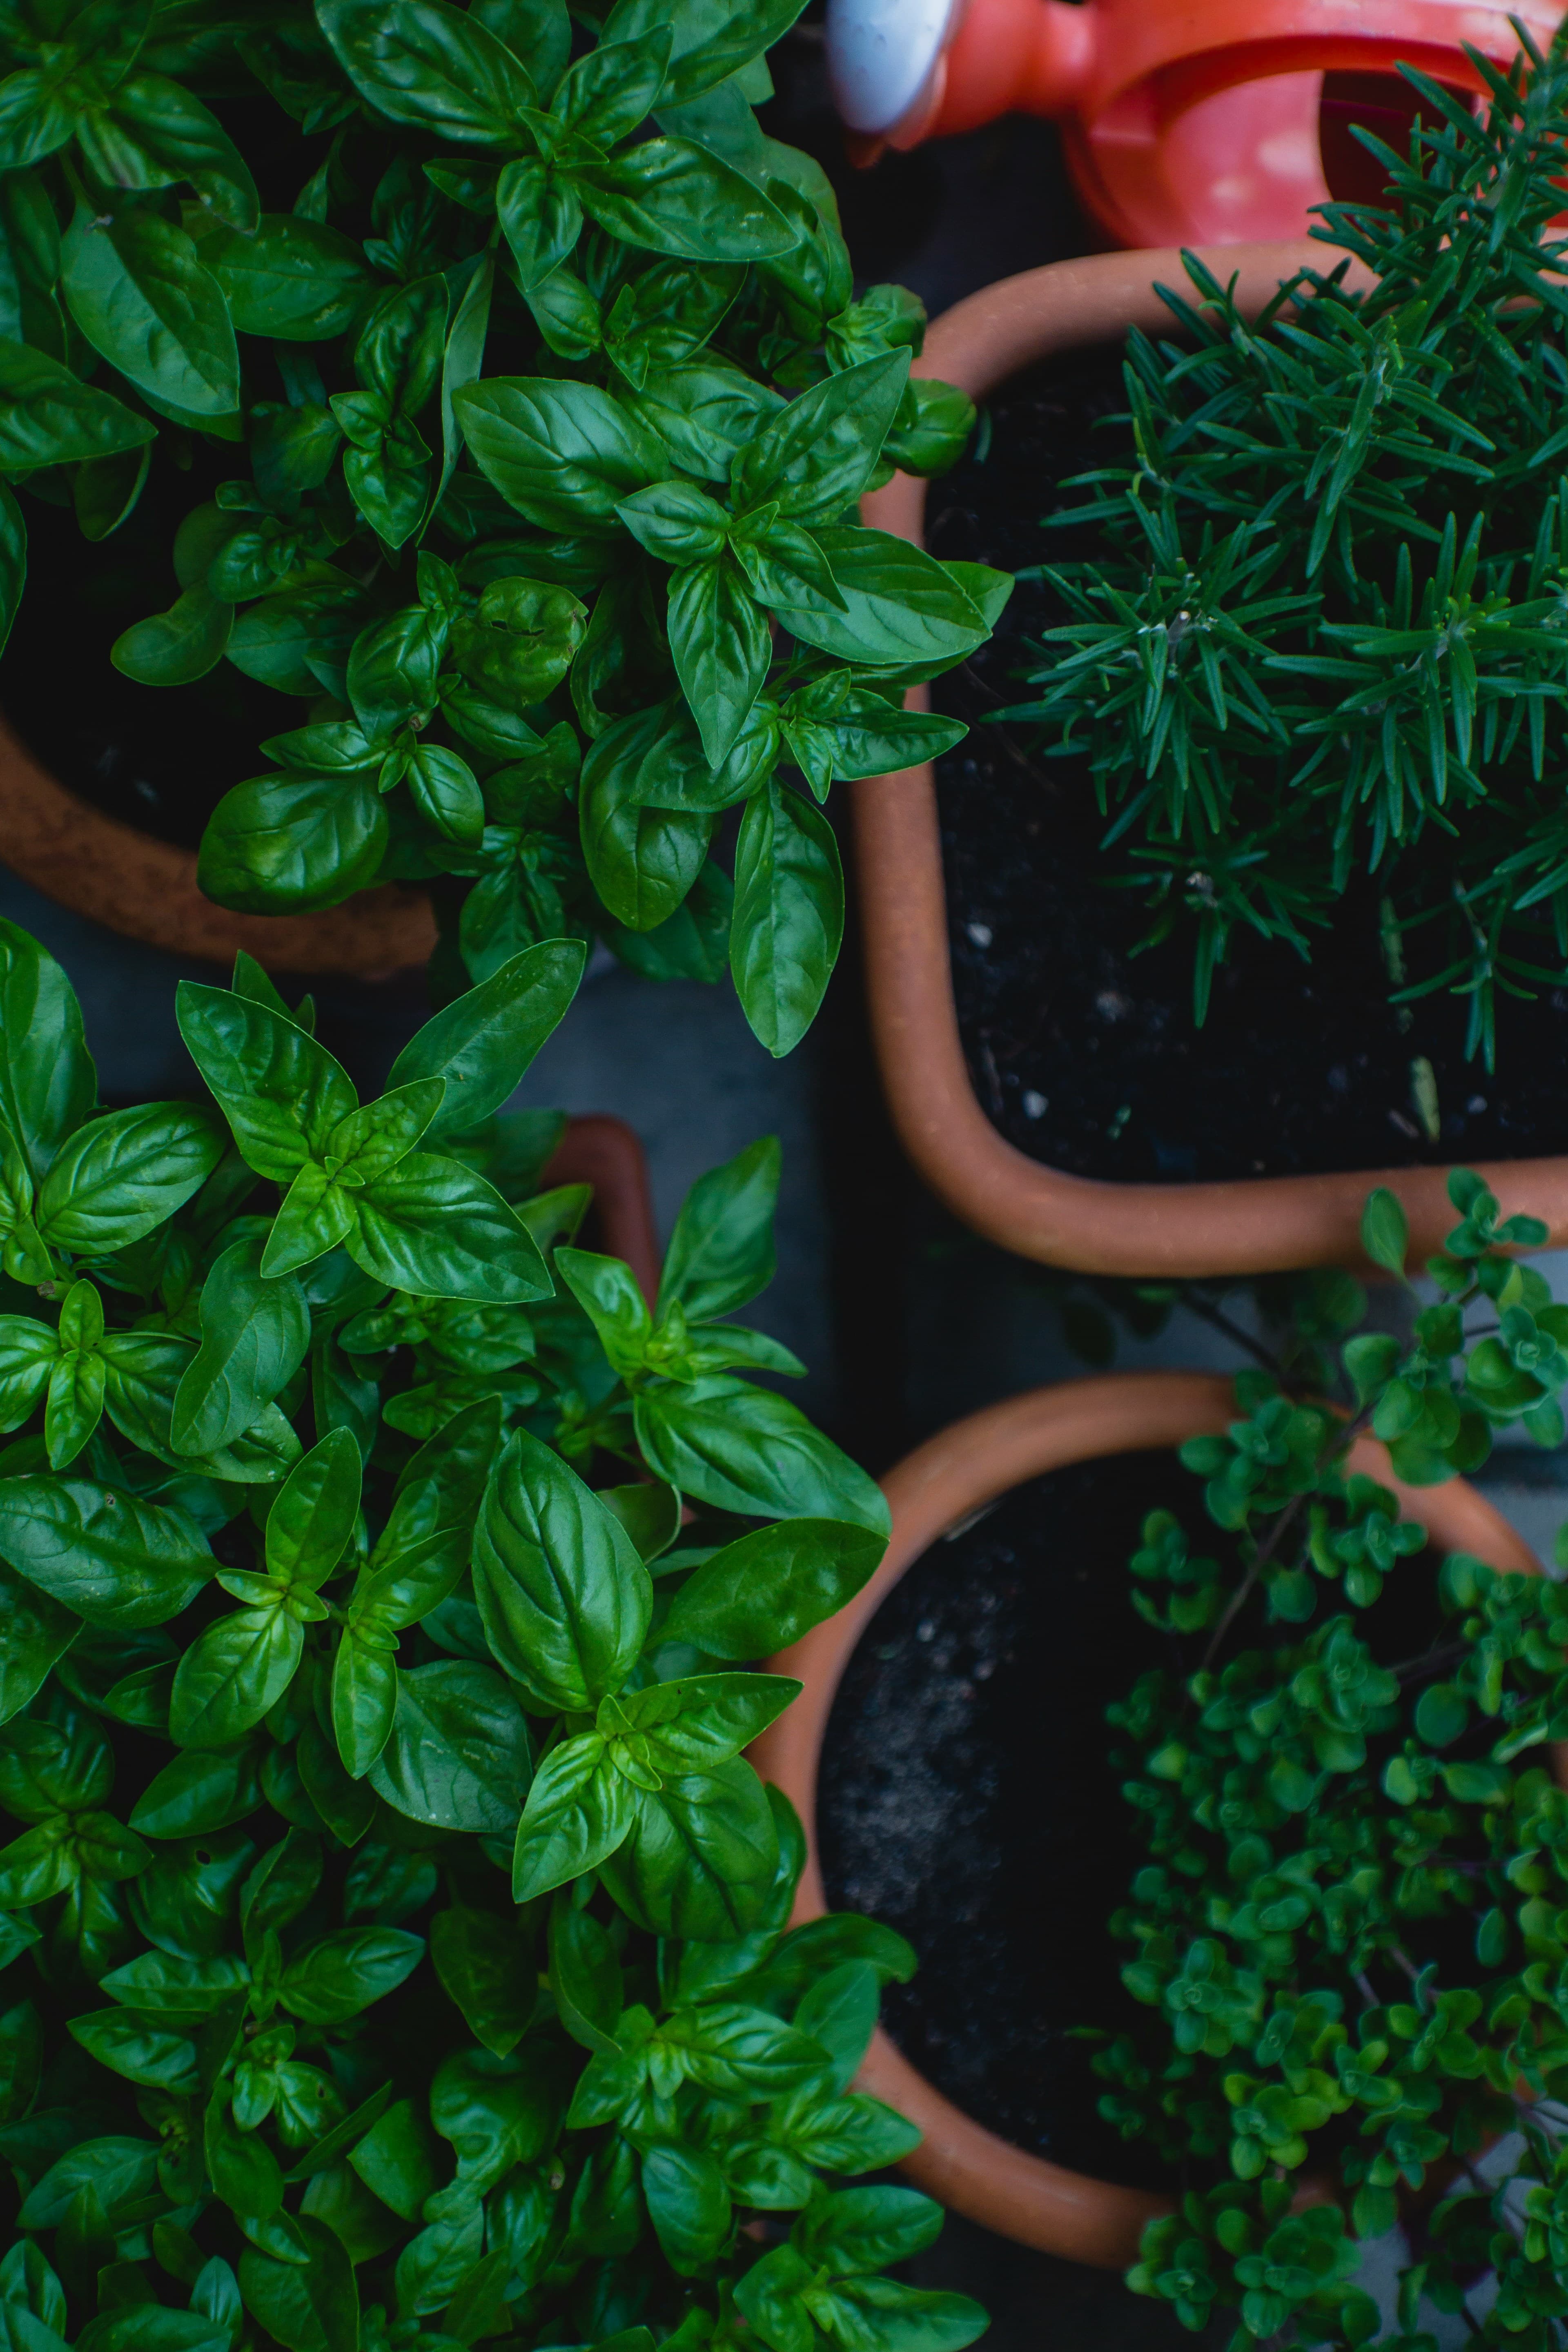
(119, 1176)
(174, 647)
(788, 921)
(672, 196)
(564, 1597)
(563, 454)
(482, 1044)
(712, 41)
(741, 1448)
(299, 281)
(199, 1792)
(111, 1558)
(255, 1336)
(760, 1593)
(720, 645)
(346, 1971)
(364, 1699)
(701, 1720)
(700, 1857)
(282, 1092)
(579, 1810)
(49, 417)
(458, 1757)
(153, 132)
(814, 460)
(485, 1968)
(720, 1253)
(311, 2307)
(34, 1632)
(642, 860)
(434, 1226)
(140, 295)
(234, 1671)
(47, 1082)
(424, 1547)
(900, 604)
(284, 844)
(423, 63)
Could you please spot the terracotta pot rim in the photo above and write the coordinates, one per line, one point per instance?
(933, 1491)
(146, 890)
(1094, 1225)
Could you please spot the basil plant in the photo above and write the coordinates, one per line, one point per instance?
(394, 1939)
(544, 625)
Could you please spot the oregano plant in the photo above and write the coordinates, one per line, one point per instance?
(1348, 1936)
(395, 1942)
(1319, 644)
(525, 420)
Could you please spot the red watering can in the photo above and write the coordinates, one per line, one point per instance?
(1185, 121)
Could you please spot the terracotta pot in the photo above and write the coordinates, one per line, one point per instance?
(1020, 2196)
(606, 1153)
(1178, 1231)
(146, 890)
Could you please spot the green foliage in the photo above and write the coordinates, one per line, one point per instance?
(544, 626)
(1325, 616)
(1349, 1933)
(394, 1939)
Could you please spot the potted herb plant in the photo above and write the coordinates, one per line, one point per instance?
(1316, 1508)
(395, 1941)
(1256, 881)
(492, 395)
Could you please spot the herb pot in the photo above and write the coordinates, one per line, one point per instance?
(144, 888)
(943, 1483)
(1176, 1230)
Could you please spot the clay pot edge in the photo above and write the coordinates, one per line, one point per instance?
(967, 1465)
(1091, 1224)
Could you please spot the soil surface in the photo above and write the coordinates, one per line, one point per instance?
(968, 1796)
(967, 1800)
(1087, 1056)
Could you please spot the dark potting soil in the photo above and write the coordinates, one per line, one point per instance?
(158, 757)
(968, 1797)
(967, 1800)
(1087, 1056)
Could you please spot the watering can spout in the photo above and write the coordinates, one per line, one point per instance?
(904, 70)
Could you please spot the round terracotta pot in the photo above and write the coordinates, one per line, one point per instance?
(146, 890)
(971, 1464)
(1173, 1231)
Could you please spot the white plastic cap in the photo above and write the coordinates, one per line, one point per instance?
(881, 54)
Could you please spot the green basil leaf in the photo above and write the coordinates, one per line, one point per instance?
(200, 1793)
(234, 1671)
(49, 417)
(343, 1974)
(299, 281)
(739, 1448)
(255, 1337)
(712, 41)
(137, 291)
(642, 860)
(760, 1593)
(541, 219)
(284, 844)
(34, 1632)
(670, 195)
(720, 645)
(485, 1968)
(482, 1044)
(119, 1176)
(788, 920)
(300, 640)
(579, 1811)
(365, 1700)
(721, 1253)
(176, 647)
(427, 65)
(700, 1858)
(282, 1092)
(309, 2307)
(111, 1558)
(433, 1226)
(423, 1549)
(47, 1082)
(814, 460)
(458, 1757)
(563, 454)
(701, 1720)
(688, 2204)
(607, 1291)
(120, 2170)
(900, 604)
(155, 133)
(143, 2053)
(564, 1597)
